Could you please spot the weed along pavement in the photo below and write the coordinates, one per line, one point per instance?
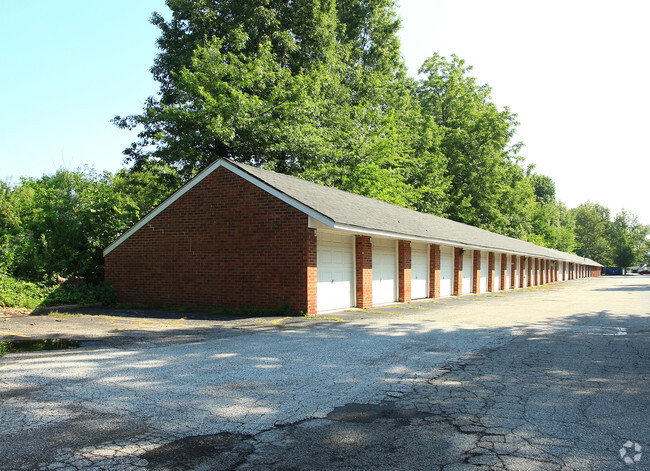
(554, 377)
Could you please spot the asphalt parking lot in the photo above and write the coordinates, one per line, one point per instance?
(554, 377)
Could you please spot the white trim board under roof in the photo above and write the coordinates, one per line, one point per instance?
(339, 209)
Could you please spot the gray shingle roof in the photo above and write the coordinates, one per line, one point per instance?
(368, 214)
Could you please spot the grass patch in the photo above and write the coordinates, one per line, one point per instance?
(279, 321)
(63, 315)
(319, 318)
(385, 313)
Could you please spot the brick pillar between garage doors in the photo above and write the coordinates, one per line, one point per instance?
(434, 271)
(404, 269)
(363, 257)
(458, 272)
(476, 275)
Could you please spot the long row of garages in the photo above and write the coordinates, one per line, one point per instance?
(421, 266)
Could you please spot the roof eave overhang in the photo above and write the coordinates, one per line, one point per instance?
(396, 235)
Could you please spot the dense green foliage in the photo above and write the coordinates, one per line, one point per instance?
(17, 293)
(312, 88)
(57, 227)
(620, 242)
(317, 88)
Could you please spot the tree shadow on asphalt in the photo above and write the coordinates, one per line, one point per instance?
(568, 394)
(626, 288)
(149, 313)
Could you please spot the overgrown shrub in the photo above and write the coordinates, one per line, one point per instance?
(27, 295)
(21, 294)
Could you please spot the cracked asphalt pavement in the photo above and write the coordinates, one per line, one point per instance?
(551, 378)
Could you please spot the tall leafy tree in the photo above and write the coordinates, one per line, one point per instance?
(486, 181)
(544, 188)
(592, 230)
(628, 240)
(311, 87)
(552, 225)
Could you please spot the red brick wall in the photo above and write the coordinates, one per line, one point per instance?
(404, 271)
(434, 271)
(224, 244)
(476, 271)
(504, 271)
(363, 249)
(458, 272)
(490, 277)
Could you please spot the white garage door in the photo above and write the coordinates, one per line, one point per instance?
(467, 271)
(508, 271)
(484, 273)
(384, 271)
(497, 271)
(335, 272)
(446, 270)
(517, 274)
(419, 271)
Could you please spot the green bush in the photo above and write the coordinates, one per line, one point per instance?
(86, 294)
(21, 294)
(24, 294)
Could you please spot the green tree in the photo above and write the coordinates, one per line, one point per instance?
(552, 225)
(147, 186)
(279, 84)
(592, 231)
(544, 188)
(60, 224)
(486, 180)
(628, 240)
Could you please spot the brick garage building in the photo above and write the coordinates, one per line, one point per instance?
(240, 237)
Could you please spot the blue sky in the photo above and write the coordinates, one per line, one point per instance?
(575, 72)
(69, 67)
